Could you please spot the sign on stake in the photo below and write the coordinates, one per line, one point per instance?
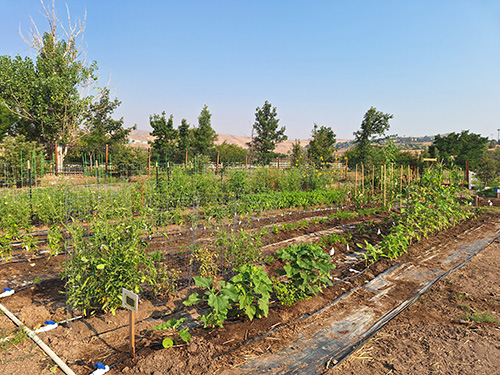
(130, 301)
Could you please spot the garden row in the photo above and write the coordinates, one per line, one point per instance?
(115, 256)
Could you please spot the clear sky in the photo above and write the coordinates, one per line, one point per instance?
(433, 64)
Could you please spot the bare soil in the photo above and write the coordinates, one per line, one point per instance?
(437, 334)
(433, 336)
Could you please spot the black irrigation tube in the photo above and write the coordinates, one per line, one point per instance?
(384, 320)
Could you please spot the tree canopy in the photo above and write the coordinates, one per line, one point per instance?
(165, 143)
(322, 145)
(49, 94)
(203, 135)
(267, 133)
(373, 127)
(100, 129)
(457, 148)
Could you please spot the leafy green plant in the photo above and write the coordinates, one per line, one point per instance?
(206, 260)
(110, 257)
(287, 293)
(253, 287)
(55, 240)
(307, 267)
(219, 300)
(269, 259)
(29, 243)
(179, 334)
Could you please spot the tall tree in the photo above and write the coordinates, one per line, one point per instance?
(373, 127)
(298, 154)
(322, 145)
(165, 135)
(204, 136)
(100, 129)
(458, 148)
(185, 137)
(49, 93)
(267, 133)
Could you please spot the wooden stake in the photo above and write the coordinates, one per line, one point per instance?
(132, 333)
(373, 180)
(356, 182)
(362, 179)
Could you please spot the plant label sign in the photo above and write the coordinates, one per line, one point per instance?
(130, 300)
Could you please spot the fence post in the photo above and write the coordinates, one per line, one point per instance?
(363, 179)
(56, 161)
(31, 193)
(467, 177)
(107, 160)
(217, 168)
(149, 161)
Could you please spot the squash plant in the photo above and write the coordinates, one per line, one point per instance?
(307, 267)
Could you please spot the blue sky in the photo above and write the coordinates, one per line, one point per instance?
(435, 65)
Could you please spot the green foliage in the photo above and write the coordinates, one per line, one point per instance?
(489, 166)
(253, 287)
(220, 301)
(230, 153)
(165, 142)
(101, 129)
(16, 152)
(431, 206)
(45, 92)
(456, 149)
(204, 135)
(322, 145)
(373, 128)
(173, 325)
(238, 247)
(298, 154)
(111, 256)
(267, 133)
(287, 293)
(7, 120)
(307, 266)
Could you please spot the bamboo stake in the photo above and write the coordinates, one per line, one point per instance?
(362, 179)
(356, 182)
(373, 181)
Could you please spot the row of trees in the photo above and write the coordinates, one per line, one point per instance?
(54, 99)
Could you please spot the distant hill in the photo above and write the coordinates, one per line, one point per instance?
(140, 138)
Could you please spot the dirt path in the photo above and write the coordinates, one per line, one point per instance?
(436, 335)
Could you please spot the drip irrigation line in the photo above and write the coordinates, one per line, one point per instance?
(38, 341)
(33, 284)
(297, 320)
(384, 320)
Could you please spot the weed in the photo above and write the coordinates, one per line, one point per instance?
(173, 325)
(287, 293)
(483, 318)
